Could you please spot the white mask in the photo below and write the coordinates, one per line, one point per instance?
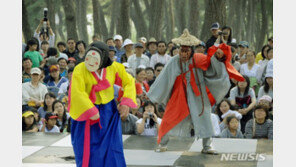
(92, 60)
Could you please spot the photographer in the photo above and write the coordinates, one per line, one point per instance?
(150, 123)
(44, 31)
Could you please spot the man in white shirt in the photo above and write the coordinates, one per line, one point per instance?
(160, 56)
(139, 58)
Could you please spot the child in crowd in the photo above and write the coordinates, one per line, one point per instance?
(232, 130)
(150, 123)
(63, 115)
(225, 109)
(48, 100)
(29, 122)
(49, 124)
(34, 55)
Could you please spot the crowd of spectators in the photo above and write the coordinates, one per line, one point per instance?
(246, 111)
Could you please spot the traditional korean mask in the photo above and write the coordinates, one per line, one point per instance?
(92, 60)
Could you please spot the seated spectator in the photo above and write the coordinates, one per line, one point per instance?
(149, 74)
(71, 63)
(63, 67)
(138, 58)
(150, 123)
(65, 86)
(232, 130)
(110, 42)
(157, 69)
(160, 56)
(225, 109)
(63, 116)
(266, 102)
(27, 66)
(243, 97)
(143, 41)
(138, 112)
(33, 92)
(128, 47)
(118, 46)
(243, 49)
(45, 34)
(62, 47)
(29, 123)
(251, 69)
(71, 51)
(34, 55)
(260, 127)
(267, 88)
(141, 85)
(55, 80)
(174, 51)
(128, 124)
(49, 123)
(112, 53)
(44, 48)
(80, 55)
(152, 47)
(52, 59)
(215, 28)
(262, 63)
(200, 48)
(47, 104)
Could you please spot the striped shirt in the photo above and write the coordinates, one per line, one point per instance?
(264, 130)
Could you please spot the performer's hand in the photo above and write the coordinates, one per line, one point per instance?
(95, 117)
(123, 109)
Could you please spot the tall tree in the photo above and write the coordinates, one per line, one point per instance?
(114, 14)
(124, 24)
(25, 23)
(103, 24)
(181, 18)
(263, 29)
(215, 12)
(61, 24)
(51, 13)
(155, 24)
(70, 19)
(138, 19)
(96, 17)
(81, 20)
(194, 16)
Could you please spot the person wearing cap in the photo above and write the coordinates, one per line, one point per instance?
(189, 97)
(152, 47)
(29, 123)
(138, 58)
(160, 56)
(112, 53)
(49, 123)
(200, 48)
(243, 49)
(27, 66)
(33, 92)
(71, 62)
(143, 41)
(215, 29)
(55, 81)
(267, 88)
(80, 55)
(118, 46)
(96, 133)
(128, 47)
(260, 127)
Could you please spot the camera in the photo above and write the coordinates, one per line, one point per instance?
(150, 115)
(45, 10)
(222, 33)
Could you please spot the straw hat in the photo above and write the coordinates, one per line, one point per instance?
(186, 39)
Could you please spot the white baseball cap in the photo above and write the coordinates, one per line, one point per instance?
(35, 70)
(119, 37)
(127, 42)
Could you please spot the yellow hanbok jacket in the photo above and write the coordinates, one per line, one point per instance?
(90, 88)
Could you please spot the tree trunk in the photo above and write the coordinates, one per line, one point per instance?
(114, 14)
(124, 24)
(25, 23)
(96, 21)
(51, 13)
(215, 12)
(70, 19)
(264, 18)
(172, 20)
(103, 26)
(155, 25)
(60, 25)
(138, 18)
(181, 19)
(193, 19)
